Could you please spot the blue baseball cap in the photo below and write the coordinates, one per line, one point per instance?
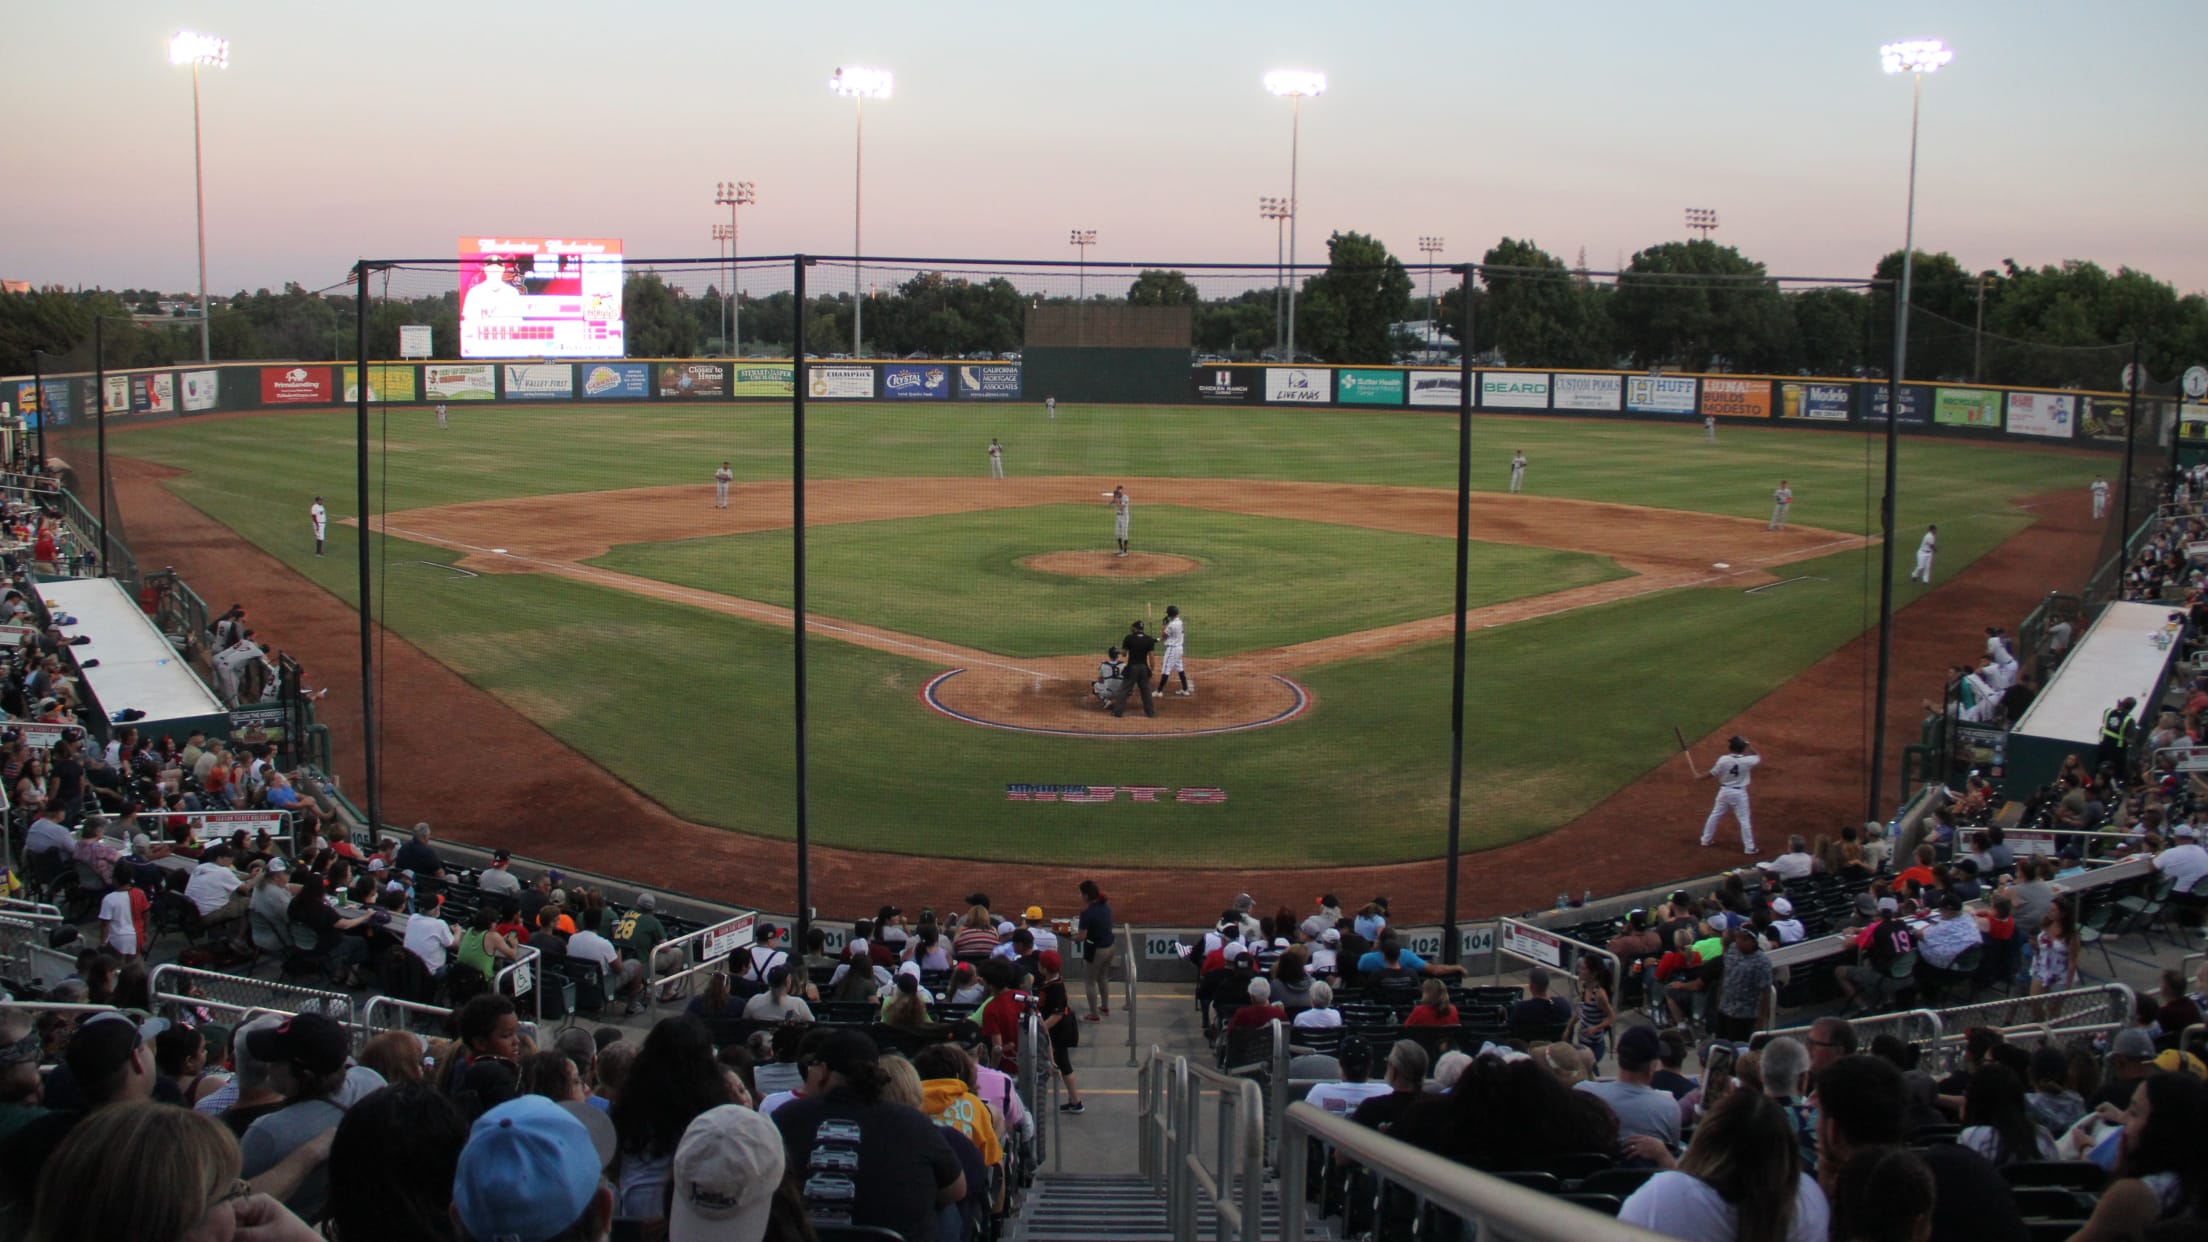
(527, 1174)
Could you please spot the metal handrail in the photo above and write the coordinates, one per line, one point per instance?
(338, 1005)
(706, 948)
(1131, 945)
(373, 1023)
(1237, 1185)
(1912, 1026)
(520, 977)
(2071, 1011)
(1502, 1212)
(1502, 928)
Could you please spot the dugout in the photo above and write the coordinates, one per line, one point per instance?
(1108, 352)
(2129, 651)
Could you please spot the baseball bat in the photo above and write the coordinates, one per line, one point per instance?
(1684, 753)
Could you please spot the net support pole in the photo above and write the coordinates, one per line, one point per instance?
(1449, 939)
(1887, 506)
(38, 392)
(2131, 438)
(797, 594)
(99, 422)
(369, 775)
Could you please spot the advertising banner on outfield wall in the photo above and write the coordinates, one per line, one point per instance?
(693, 379)
(58, 401)
(1225, 384)
(1659, 394)
(202, 389)
(1825, 402)
(1514, 390)
(616, 381)
(117, 394)
(386, 382)
(1586, 392)
(921, 382)
(1967, 407)
(1299, 384)
(2106, 419)
(1736, 398)
(295, 385)
(1436, 388)
(1368, 387)
(153, 394)
(539, 381)
(1916, 403)
(475, 381)
(840, 383)
(2049, 414)
(989, 383)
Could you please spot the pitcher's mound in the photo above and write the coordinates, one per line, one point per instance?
(1111, 564)
(1054, 697)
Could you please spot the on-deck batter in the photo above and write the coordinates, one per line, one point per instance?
(1176, 639)
(1732, 793)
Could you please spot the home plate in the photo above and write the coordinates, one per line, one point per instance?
(502, 552)
(1721, 565)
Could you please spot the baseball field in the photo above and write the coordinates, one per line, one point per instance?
(570, 561)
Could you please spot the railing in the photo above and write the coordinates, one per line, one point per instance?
(1539, 946)
(32, 911)
(1501, 1212)
(519, 978)
(703, 950)
(1131, 952)
(1170, 1147)
(392, 1013)
(1038, 1088)
(180, 612)
(1912, 1026)
(242, 995)
(2106, 1005)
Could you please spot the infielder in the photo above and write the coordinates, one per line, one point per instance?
(1176, 639)
(1517, 471)
(996, 459)
(2100, 499)
(321, 519)
(440, 416)
(721, 479)
(1925, 548)
(1050, 407)
(1732, 793)
(1781, 501)
(1119, 518)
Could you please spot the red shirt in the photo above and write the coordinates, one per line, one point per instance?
(1255, 1015)
(1427, 1015)
(1000, 1025)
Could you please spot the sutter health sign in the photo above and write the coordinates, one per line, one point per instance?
(1514, 390)
(1369, 387)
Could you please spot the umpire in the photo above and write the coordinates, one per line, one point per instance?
(1138, 647)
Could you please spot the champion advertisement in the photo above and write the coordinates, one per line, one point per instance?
(617, 381)
(1368, 387)
(153, 394)
(295, 385)
(840, 383)
(1223, 384)
(1659, 394)
(1514, 390)
(1967, 407)
(1736, 398)
(2049, 414)
(539, 381)
(989, 383)
(471, 382)
(201, 390)
(1825, 402)
(1437, 388)
(1916, 403)
(764, 382)
(386, 382)
(693, 379)
(1586, 392)
(1299, 385)
(925, 382)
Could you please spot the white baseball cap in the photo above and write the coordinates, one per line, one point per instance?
(1782, 907)
(724, 1177)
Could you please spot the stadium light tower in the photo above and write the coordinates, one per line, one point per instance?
(1915, 57)
(733, 194)
(1702, 220)
(1295, 84)
(1430, 246)
(196, 50)
(1276, 210)
(859, 84)
(1083, 238)
(722, 235)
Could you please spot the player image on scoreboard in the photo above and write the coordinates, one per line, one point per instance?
(540, 297)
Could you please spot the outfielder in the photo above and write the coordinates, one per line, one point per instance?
(321, 519)
(440, 416)
(1925, 548)
(1709, 428)
(1176, 638)
(1050, 407)
(1119, 518)
(2100, 499)
(1781, 501)
(1732, 793)
(996, 459)
(721, 479)
(1517, 471)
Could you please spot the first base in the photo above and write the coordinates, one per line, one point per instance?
(1721, 565)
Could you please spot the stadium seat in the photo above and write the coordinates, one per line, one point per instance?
(2052, 1202)
(1619, 1182)
(590, 987)
(1608, 1205)
(1572, 1166)
(2070, 1174)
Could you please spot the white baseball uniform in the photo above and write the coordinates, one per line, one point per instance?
(1176, 641)
(1709, 426)
(1119, 519)
(721, 479)
(321, 519)
(1050, 407)
(1923, 571)
(996, 460)
(2100, 498)
(1517, 472)
(1781, 501)
(440, 416)
(1732, 795)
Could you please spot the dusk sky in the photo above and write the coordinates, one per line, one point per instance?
(339, 131)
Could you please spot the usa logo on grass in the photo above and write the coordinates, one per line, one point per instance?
(1111, 793)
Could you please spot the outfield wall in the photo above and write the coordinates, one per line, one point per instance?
(2089, 419)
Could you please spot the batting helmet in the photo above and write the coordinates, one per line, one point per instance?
(1737, 742)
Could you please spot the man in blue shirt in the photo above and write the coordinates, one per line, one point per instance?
(1391, 955)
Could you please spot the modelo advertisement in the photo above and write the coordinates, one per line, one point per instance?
(1916, 403)
(2048, 414)
(1513, 390)
(1967, 407)
(617, 381)
(1368, 387)
(1736, 398)
(1586, 392)
(764, 382)
(295, 385)
(1224, 384)
(542, 381)
(1436, 388)
(840, 383)
(385, 383)
(989, 383)
(1299, 385)
(921, 382)
(1659, 394)
(460, 383)
(1824, 402)
(681, 380)
(202, 389)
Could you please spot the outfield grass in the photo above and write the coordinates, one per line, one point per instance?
(694, 707)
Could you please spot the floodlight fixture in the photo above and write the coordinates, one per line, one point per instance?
(188, 48)
(1294, 85)
(1702, 220)
(732, 194)
(1296, 82)
(860, 82)
(1915, 56)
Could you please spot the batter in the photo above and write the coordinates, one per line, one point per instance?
(1176, 639)
(1732, 793)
